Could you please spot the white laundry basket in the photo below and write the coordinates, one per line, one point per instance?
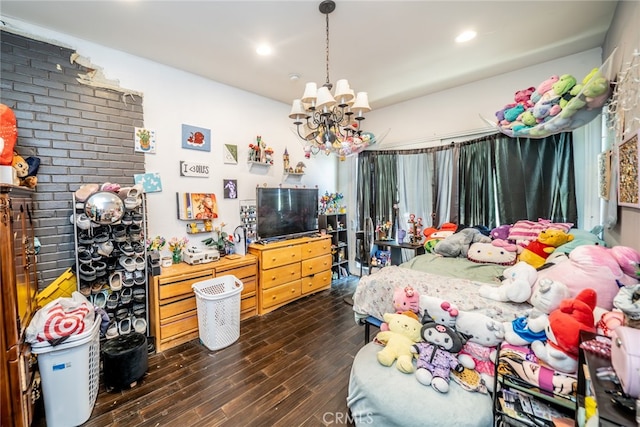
(218, 305)
(70, 374)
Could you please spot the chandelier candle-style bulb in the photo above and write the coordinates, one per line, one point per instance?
(361, 105)
(298, 112)
(310, 93)
(343, 93)
(324, 101)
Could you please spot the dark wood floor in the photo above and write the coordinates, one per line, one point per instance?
(288, 368)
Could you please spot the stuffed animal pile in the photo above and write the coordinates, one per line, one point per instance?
(559, 103)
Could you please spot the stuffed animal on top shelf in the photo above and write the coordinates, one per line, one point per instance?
(8, 134)
(437, 355)
(536, 252)
(531, 327)
(404, 300)
(483, 335)
(563, 332)
(516, 285)
(403, 333)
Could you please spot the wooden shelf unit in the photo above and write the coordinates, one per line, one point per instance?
(172, 303)
(291, 269)
(336, 226)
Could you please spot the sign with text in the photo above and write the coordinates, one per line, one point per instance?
(197, 170)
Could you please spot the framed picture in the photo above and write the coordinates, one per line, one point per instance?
(151, 181)
(197, 206)
(230, 188)
(604, 174)
(195, 138)
(145, 140)
(230, 154)
(628, 175)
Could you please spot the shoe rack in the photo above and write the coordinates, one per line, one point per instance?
(111, 266)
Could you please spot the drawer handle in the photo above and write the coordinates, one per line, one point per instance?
(293, 291)
(273, 259)
(293, 255)
(273, 297)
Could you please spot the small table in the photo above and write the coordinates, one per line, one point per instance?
(396, 249)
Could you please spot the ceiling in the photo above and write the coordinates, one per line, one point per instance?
(394, 50)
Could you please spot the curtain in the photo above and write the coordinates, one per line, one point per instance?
(377, 186)
(503, 179)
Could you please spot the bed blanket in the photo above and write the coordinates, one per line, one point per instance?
(374, 294)
(456, 267)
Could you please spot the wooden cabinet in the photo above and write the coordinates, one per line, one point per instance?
(18, 288)
(172, 303)
(336, 227)
(291, 269)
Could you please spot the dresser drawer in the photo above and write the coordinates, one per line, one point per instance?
(281, 294)
(278, 276)
(281, 256)
(181, 285)
(249, 287)
(247, 303)
(316, 265)
(317, 281)
(176, 308)
(240, 272)
(314, 249)
(179, 327)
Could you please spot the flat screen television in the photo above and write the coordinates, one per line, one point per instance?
(286, 212)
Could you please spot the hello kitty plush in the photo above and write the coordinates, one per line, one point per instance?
(404, 300)
(438, 310)
(483, 336)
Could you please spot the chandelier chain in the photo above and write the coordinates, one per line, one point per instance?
(328, 82)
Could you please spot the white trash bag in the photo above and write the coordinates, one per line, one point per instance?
(60, 319)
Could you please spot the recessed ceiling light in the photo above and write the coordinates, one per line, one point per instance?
(466, 36)
(264, 50)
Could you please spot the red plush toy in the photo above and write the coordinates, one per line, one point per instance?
(523, 97)
(563, 332)
(8, 134)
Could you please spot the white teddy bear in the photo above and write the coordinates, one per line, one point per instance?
(516, 286)
(545, 298)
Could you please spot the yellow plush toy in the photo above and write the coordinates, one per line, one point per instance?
(536, 252)
(20, 168)
(403, 333)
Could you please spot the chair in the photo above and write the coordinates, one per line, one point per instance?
(364, 245)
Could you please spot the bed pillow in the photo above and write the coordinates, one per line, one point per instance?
(497, 252)
(525, 231)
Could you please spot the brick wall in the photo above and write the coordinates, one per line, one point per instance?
(81, 134)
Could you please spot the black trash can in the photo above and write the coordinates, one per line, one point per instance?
(124, 360)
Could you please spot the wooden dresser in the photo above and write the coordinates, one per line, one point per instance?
(18, 289)
(291, 269)
(173, 316)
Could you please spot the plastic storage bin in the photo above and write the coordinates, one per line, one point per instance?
(218, 305)
(70, 374)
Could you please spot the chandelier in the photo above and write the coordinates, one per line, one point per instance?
(331, 123)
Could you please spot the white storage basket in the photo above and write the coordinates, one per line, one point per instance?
(218, 305)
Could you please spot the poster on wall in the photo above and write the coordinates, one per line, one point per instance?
(604, 174)
(145, 140)
(628, 174)
(230, 154)
(151, 181)
(197, 206)
(230, 188)
(195, 138)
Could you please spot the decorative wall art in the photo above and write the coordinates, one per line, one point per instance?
(197, 205)
(145, 140)
(230, 154)
(196, 170)
(604, 174)
(628, 174)
(195, 138)
(151, 182)
(230, 188)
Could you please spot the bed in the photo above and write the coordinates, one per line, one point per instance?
(380, 395)
(456, 280)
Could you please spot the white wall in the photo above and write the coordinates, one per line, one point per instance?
(172, 98)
